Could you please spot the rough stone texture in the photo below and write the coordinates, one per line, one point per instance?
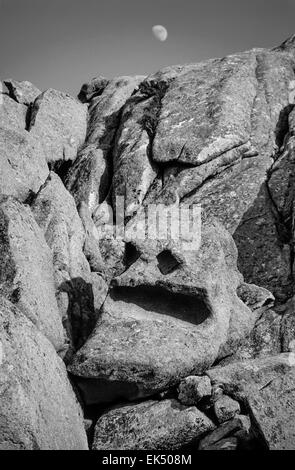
(255, 297)
(226, 408)
(90, 177)
(55, 212)
(23, 168)
(192, 389)
(239, 423)
(214, 142)
(92, 89)
(26, 270)
(104, 252)
(134, 170)
(230, 443)
(22, 92)
(150, 425)
(264, 339)
(156, 328)
(12, 114)
(38, 408)
(287, 330)
(267, 386)
(219, 134)
(60, 122)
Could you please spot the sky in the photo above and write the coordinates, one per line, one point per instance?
(64, 43)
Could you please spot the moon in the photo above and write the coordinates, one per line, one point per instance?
(160, 32)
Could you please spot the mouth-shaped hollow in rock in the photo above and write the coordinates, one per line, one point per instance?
(185, 307)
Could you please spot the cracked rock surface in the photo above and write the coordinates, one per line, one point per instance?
(166, 345)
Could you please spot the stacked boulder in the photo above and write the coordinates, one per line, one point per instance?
(172, 348)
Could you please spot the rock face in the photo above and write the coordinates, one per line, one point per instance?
(56, 214)
(12, 115)
(147, 232)
(89, 179)
(267, 386)
(59, 122)
(26, 270)
(150, 425)
(156, 328)
(22, 92)
(38, 408)
(23, 167)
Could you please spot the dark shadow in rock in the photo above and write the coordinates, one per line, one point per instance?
(282, 127)
(188, 308)
(99, 391)
(81, 313)
(131, 254)
(263, 258)
(167, 263)
(61, 168)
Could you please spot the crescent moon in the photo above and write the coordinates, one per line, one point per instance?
(160, 32)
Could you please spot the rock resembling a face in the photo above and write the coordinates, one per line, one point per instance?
(165, 318)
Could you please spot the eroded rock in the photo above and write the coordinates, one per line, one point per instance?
(23, 168)
(55, 212)
(22, 92)
(157, 327)
(59, 122)
(26, 270)
(90, 177)
(266, 385)
(150, 425)
(38, 408)
(192, 389)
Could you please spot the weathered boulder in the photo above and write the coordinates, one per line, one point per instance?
(89, 179)
(193, 388)
(92, 89)
(212, 144)
(12, 114)
(255, 297)
(240, 423)
(158, 326)
(59, 122)
(26, 270)
(23, 168)
(265, 339)
(134, 170)
(55, 212)
(38, 408)
(22, 92)
(287, 327)
(151, 425)
(266, 385)
(226, 408)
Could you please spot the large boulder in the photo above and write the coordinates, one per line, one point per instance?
(89, 179)
(23, 92)
(23, 168)
(12, 114)
(151, 425)
(38, 408)
(209, 134)
(159, 325)
(55, 212)
(59, 122)
(26, 270)
(266, 386)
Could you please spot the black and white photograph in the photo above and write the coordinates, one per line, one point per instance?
(147, 229)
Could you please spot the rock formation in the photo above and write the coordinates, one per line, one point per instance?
(157, 344)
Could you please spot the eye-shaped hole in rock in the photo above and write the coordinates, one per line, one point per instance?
(149, 299)
(131, 254)
(167, 263)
